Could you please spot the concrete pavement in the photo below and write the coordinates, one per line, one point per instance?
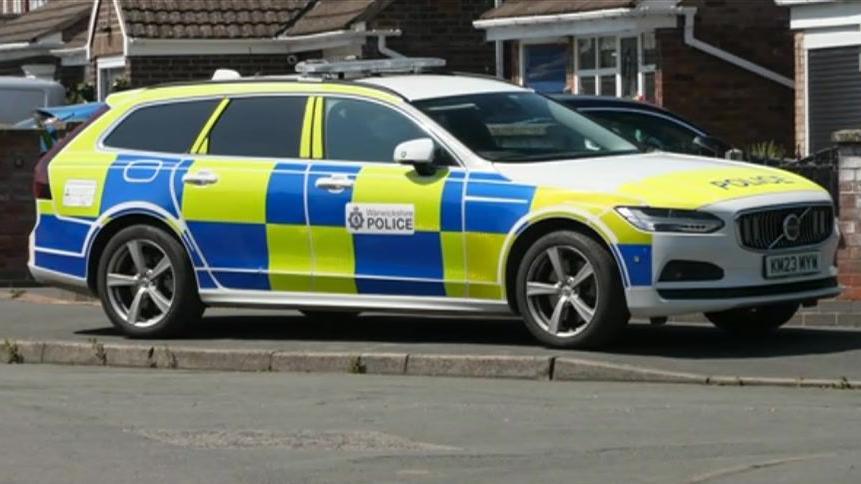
(793, 353)
(76, 424)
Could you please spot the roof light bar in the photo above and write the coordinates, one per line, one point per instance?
(358, 68)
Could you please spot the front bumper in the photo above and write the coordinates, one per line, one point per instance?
(744, 283)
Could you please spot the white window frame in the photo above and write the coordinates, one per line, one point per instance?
(521, 54)
(599, 72)
(104, 64)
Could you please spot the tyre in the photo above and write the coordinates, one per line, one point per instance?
(755, 321)
(569, 292)
(146, 283)
(325, 316)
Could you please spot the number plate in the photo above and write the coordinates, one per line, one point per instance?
(788, 265)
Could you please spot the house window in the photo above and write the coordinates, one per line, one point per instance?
(13, 7)
(110, 69)
(621, 66)
(545, 66)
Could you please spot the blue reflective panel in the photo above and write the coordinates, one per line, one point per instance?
(546, 66)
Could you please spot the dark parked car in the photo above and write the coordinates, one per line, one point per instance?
(647, 125)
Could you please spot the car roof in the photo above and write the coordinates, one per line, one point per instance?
(416, 87)
(411, 87)
(579, 102)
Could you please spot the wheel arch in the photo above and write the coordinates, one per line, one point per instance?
(531, 231)
(113, 225)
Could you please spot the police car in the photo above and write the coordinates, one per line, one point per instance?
(370, 186)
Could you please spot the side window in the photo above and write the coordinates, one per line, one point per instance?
(365, 131)
(644, 128)
(269, 127)
(169, 128)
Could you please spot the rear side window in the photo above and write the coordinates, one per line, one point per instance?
(169, 128)
(269, 127)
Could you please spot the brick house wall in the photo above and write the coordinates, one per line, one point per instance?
(800, 94)
(849, 256)
(107, 35)
(439, 28)
(149, 70)
(728, 101)
(19, 151)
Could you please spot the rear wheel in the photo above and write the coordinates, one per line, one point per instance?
(569, 293)
(755, 321)
(146, 283)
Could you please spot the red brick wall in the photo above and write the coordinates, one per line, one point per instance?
(849, 257)
(107, 38)
(800, 95)
(19, 151)
(440, 28)
(145, 71)
(734, 104)
(728, 101)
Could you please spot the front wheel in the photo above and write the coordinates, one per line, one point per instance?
(146, 283)
(569, 292)
(755, 321)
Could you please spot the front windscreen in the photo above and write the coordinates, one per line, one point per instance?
(522, 127)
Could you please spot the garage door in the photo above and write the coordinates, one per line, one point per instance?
(835, 93)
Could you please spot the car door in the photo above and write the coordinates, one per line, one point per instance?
(378, 227)
(243, 195)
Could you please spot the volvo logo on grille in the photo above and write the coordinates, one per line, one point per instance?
(792, 227)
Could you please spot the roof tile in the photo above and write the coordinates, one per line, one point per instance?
(210, 19)
(329, 15)
(53, 17)
(526, 8)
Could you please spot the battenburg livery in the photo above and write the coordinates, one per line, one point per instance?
(419, 193)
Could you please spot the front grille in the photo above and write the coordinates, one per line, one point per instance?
(764, 230)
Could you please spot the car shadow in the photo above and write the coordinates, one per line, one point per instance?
(695, 341)
(701, 341)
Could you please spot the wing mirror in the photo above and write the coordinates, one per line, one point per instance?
(713, 145)
(419, 153)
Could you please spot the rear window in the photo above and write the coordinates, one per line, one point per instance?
(269, 127)
(169, 128)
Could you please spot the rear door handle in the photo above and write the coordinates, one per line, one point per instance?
(200, 178)
(335, 184)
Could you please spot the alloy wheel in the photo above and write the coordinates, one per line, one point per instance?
(140, 283)
(561, 291)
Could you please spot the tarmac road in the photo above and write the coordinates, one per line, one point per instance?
(792, 353)
(85, 425)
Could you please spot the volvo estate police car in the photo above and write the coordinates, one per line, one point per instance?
(427, 193)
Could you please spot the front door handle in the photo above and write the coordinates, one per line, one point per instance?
(335, 184)
(200, 178)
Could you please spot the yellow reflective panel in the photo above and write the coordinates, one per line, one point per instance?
(239, 195)
(625, 232)
(391, 183)
(201, 144)
(483, 251)
(485, 291)
(45, 207)
(317, 137)
(79, 168)
(289, 257)
(334, 260)
(696, 188)
(454, 267)
(307, 126)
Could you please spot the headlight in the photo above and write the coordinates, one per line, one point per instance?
(670, 220)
